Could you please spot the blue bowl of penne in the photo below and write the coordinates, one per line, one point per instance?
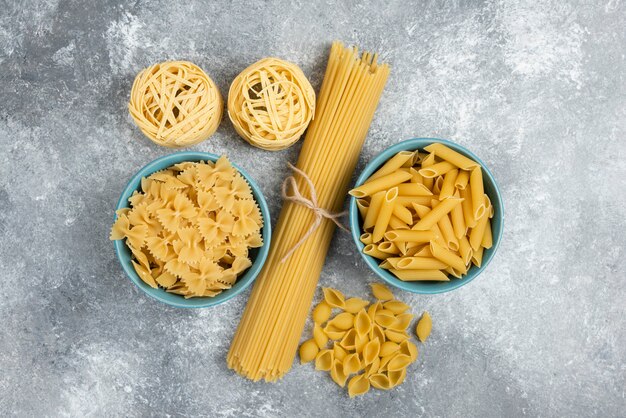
(193, 251)
(426, 215)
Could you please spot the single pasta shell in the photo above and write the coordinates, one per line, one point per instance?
(321, 339)
(336, 373)
(372, 368)
(333, 332)
(381, 292)
(396, 306)
(324, 360)
(371, 311)
(358, 385)
(362, 322)
(354, 305)
(424, 326)
(396, 336)
(377, 333)
(343, 321)
(322, 312)
(308, 351)
(401, 322)
(348, 340)
(339, 352)
(399, 362)
(359, 342)
(351, 364)
(385, 318)
(370, 351)
(410, 349)
(388, 348)
(380, 381)
(334, 297)
(396, 377)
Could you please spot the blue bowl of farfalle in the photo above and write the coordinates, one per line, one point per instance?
(192, 229)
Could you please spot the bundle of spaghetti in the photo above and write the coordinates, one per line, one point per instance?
(265, 343)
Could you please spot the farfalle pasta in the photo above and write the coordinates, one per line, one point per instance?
(190, 228)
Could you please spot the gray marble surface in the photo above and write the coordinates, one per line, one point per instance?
(536, 88)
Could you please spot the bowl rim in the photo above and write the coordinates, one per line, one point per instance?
(245, 280)
(355, 227)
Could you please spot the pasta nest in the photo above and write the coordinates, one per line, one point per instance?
(175, 104)
(271, 104)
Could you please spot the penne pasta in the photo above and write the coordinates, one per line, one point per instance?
(396, 223)
(451, 156)
(383, 183)
(372, 250)
(388, 247)
(384, 214)
(466, 205)
(477, 257)
(416, 263)
(424, 252)
(393, 164)
(432, 217)
(461, 180)
(437, 185)
(448, 257)
(420, 275)
(410, 235)
(413, 189)
(417, 177)
(373, 210)
(409, 200)
(363, 205)
(403, 213)
(427, 162)
(447, 231)
(458, 221)
(366, 238)
(477, 233)
(476, 186)
(437, 169)
(465, 250)
(487, 240)
(447, 187)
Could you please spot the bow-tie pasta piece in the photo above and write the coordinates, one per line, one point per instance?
(190, 228)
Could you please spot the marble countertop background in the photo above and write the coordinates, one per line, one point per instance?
(536, 88)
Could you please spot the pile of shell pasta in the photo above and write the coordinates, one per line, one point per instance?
(190, 227)
(369, 341)
(426, 215)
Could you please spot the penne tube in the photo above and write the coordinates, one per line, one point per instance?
(393, 164)
(458, 221)
(401, 246)
(487, 240)
(424, 252)
(448, 154)
(385, 265)
(382, 183)
(388, 247)
(445, 225)
(416, 263)
(447, 187)
(462, 179)
(428, 161)
(466, 205)
(384, 214)
(413, 189)
(420, 200)
(437, 185)
(477, 257)
(465, 250)
(373, 251)
(412, 251)
(417, 177)
(396, 223)
(478, 199)
(453, 272)
(363, 205)
(437, 169)
(420, 275)
(403, 213)
(448, 257)
(431, 218)
(410, 236)
(477, 233)
(419, 157)
(366, 238)
(372, 212)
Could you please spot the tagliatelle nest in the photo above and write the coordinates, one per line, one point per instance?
(271, 104)
(175, 104)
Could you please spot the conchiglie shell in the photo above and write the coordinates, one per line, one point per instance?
(324, 360)
(359, 342)
(348, 340)
(333, 332)
(371, 311)
(401, 361)
(388, 348)
(424, 326)
(334, 297)
(396, 377)
(354, 305)
(308, 351)
(372, 368)
(336, 373)
(371, 350)
(378, 333)
(339, 352)
(321, 339)
(380, 381)
(343, 321)
(401, 322)
(362, 323)
(381, 292)
(396, 306)
(351, 364)
(358, 385)
(321, 312)
(385, 318)
(396, 336)
(410, 349)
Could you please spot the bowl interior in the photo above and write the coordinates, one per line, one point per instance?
(257, 255)
(491, 189)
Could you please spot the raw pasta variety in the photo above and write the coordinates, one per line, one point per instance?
(367, 348)
(190, 228)
(271, 104)
(175, 104)
(267, 339)
(426, 215)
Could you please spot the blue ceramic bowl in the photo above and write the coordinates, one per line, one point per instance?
(491, 189)
(257, 255)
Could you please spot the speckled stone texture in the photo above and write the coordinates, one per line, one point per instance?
(536, 88)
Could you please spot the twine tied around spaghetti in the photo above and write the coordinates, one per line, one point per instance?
(298, 198)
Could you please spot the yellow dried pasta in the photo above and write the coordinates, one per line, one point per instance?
(190, 227)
